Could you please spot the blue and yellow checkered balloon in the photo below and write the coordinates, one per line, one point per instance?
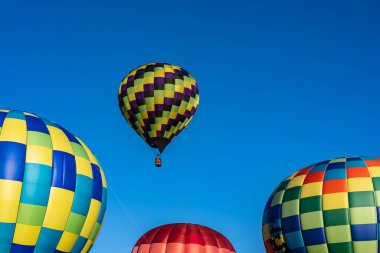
(53, 191)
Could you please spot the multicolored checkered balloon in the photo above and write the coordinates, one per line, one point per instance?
(158, 100)
(329, 207)
(183, 238)
(52, 189)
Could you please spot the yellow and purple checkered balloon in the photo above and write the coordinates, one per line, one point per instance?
(52, 189)
(328, 207)
(158, 100)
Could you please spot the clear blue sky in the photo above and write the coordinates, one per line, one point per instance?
(283, 84)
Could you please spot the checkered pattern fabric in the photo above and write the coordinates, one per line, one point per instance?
(329, 207)
(183, 238)
(158, 100)
(52, 188)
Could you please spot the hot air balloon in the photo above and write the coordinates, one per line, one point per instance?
(329, 207)
(52, 189)
(158, 100)
(183, 238)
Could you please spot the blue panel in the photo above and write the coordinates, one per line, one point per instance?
(103, 206)
(3, 115)
(36, 124)
(83, 194)
(16, 115)
(79, 244)
(291, 224)
(69, 135)
(314, 236)
(6, 236)
(97, 185)
(275, 212)
(35, 194)
(338, 165)
(294, 240)
(17, 248)
(299, 250)
(355, 162)
(12, 160)
(318, 167)
(335, 174)
(37, 173)
(47, 240)
(364, 232)
(64, 170)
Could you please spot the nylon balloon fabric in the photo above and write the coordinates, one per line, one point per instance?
(158, 100)
(184, 238)
(53, 190)
(329, 207)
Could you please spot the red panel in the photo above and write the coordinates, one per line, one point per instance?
(304, 171)
(357, 172)
(314, 177)
(332, 186)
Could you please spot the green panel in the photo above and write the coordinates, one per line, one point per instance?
(75, 223)
(338, 234)
(311, 220)
(283, 185)
(38, 138)
(31, 214)
(320, 248)
(79, 150)
(363, 215)
(344, 247)
(179, 82)
(149, 100)
(365, 246)
(336, 217)
(361, 199)
(292, 193)
(94, 232)
(311, 204)
(158, 93)
(376, 183)
(142, 108)
(148, 73)
(131, 90)
(175, 108)
(169, 86)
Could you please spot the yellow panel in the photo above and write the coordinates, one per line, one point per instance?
(359, 184)
(83, 166)
(39, 154)
(149, 79)
(179, 88)
(165, 120)
(139, 88)
(296, 181)
(169, 93)
(144, 114)
(335, 201)
(58, 209)
(363, 215)
(159, 100)
(374, 171)
(150, 107)
(277, 198)
(181, 110)
(312, 189)
(131, 97)
(67, 241)
(10, 192)
(377, 198)
(292, 175)
(159, 72)
(4, 110)
(14, 130)
(173, 115)
(26, 234)
(92, 216)
(60, 140)
(86, 247)
(366, 246)
(290, 208)
(104, 182)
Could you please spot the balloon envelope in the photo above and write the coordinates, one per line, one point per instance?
(183, 238)
(158, 100)
(329, 207)
(52, 188)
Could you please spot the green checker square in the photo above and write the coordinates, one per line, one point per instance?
(290, 208)
(131, 90)
(340, 247)
(158, 93)
(312, 220)
(169, 86)
(40, 139)
(186, 79)
(184, 104)
(292, 193)
(165, 114)
(363, 215)
(377, 197)
(178, 82)
(277, 198)
(159, 69)
(311, 204)
(283, 185)
(138, 81)
(148, 74)
(361, 199)
(175, 108)
(75, 223)
(365, 246)
(94, 232)
(336, 234)
(158, 120)
(31, 214)
(149, 100)
(142, 108)
(79, 150)
(320, 248)
(376, 183)
(336, 217)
